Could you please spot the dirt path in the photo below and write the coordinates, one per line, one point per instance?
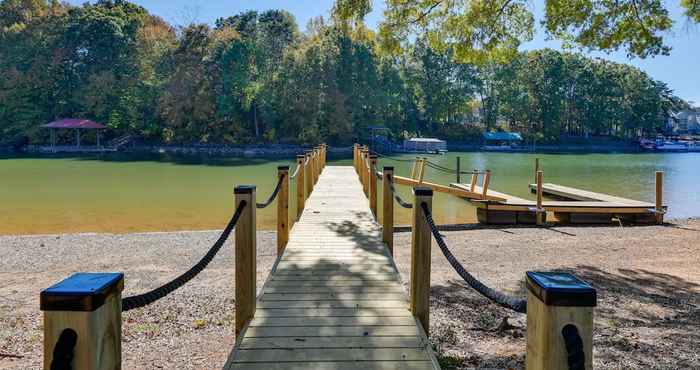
(648, 281)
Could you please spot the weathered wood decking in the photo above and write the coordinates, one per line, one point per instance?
(334, 299)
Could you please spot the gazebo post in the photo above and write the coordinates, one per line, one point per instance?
(98, 139)
(53, 140)
(77, 137)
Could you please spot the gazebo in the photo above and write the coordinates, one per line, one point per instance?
(77, 125)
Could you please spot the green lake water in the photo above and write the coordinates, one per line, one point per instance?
(119, 193)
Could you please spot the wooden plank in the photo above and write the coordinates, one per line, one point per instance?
(332, 321)
(336, 365)
(396, 288)
(334, 304)
(332, 331)
(334, 312)
(333, 342)
(331, 296)
(318, 354)
(585, 195)
(447, 189)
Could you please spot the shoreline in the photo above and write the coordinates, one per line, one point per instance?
(647, 312)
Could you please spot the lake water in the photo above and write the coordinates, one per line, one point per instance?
(119, 193)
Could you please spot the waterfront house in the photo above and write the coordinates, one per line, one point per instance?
(425, 145)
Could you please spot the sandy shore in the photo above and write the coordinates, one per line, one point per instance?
(648, 283)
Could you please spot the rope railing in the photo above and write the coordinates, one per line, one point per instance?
(451, 171)
(141, 300)
(576, 358)
(379, 175)
(398, 199)
(273, 195)
(513, 303)
(388, 157)
(63, 351)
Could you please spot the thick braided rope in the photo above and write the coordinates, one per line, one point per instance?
(400, 201)
(273, 195)
(515, 304)
(389, 158)
(63, 352)
(575, 358)
(141, 300)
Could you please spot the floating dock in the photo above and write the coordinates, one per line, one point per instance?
(576, 206)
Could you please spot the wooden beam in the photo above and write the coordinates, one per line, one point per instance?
(245, 261)
(308, 174)
(485, 184)
(282, 209)
(421, 174)
(475, 178)
(388, 209)
(445, 189)
(421, 237)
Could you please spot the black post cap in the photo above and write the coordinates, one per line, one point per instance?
(388, 168)
(244, 189)
(372, 156)
(283, 168)
(561, 289)
(423, 191)
(82, 291)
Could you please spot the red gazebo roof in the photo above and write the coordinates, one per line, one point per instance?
(74, 123)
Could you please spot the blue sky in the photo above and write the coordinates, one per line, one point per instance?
(681, 70)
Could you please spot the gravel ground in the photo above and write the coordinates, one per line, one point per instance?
(648, 282)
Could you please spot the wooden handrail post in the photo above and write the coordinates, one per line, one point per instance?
(308, 175)
(459, 171)
(422, 170)
(314, 165)
(414, 167)
(373, 185)
(355, 150)
(540, 216)
(323, 157)
(300, 186)
(475, 178)
(485, 184)
(245, 260)
(283, 209)
(388, 209)
(420, 258)
(318, 163)
(559, 312)
(85, 308)
(537, 168)
(659, 197)
(364, 168)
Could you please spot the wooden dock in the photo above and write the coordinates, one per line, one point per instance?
(334, 299)
(580, 206)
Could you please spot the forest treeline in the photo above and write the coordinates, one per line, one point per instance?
(255, 77)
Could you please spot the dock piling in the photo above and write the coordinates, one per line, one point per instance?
(373, 185)
(245, 262)
(300, 186)
(659, 197)
(388, 209)
(420, 258)
(541, 216)
(283, 209)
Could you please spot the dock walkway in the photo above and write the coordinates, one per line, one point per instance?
(334, 299)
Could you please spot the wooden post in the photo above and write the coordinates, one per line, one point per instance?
(314, 166)
(559, 310)
(485, 184)
(659, 197)
(541, 216)
(318, 163)
(363, 168)
(414, 167)
(537, 168)
(283, 209)
(373, 185)
(459, 179)
(422, 170)
(86, 309)
(420, 258)
(308, 175)
(300, 186)
(475, 178)
(388, 209)
(354, 157)
(245, 257)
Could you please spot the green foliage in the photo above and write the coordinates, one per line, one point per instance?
(254, 77)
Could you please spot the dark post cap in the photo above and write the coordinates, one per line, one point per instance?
(388, 168)
(372, 156)
(423, 191)
(244, 189)
(561, 289)
(82, 291)
(300, 156)
(283, 168)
